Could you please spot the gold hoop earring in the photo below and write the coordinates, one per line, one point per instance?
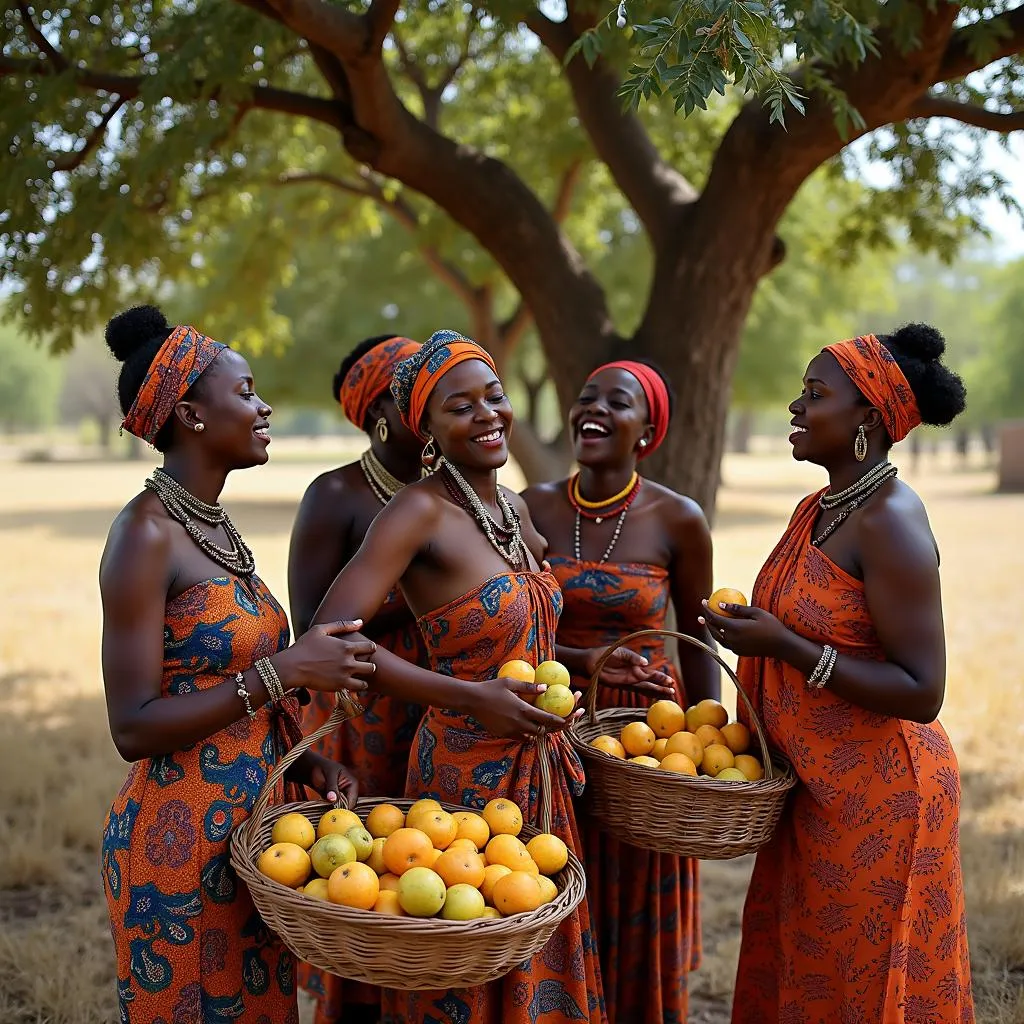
(382, 430)
(860, 444)
(429, 454)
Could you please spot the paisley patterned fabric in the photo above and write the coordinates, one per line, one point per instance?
(512, 615)
(370, 376)
(644, 904)
(856, 907)
(190, 945)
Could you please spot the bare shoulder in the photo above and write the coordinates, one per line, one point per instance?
(895, 524)
(422, 499)
(140, 535)
(334, 485)
(539, 495)
(677, 510)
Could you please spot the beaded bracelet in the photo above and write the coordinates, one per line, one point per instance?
(243, 692)
(271, 680)
(823, 670)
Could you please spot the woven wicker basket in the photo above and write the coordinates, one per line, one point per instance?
(674, 813)
(393, 952)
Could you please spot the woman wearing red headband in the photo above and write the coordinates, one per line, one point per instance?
(856, 907)
(621, 548)
(335, 513)
(200, 685)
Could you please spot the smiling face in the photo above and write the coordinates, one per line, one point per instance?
(827, 414)
(470, 417)
(236, 428)
(609, 419)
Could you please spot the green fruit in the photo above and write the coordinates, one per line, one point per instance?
(361, 840)
(330, 852)
(557, 700)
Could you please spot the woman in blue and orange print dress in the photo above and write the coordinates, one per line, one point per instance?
(621, 548)
(333, 518)
(856, 907)
(466, 556)
(190, 633)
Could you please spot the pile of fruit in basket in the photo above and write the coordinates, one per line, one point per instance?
(700, 742)
(428, 863)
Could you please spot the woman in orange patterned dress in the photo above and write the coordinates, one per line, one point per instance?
(856, 907)
(467, 558)
(621, 547)
(202, 691)
(333, 518)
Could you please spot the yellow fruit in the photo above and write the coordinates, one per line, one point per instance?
(294, 828)
(548, 889)
(709, 735)
(678, 763)
(646, 760)
(510, 851)
(609, 745)
(435, 856)
(460, 867)
(517, 893)
(383, 820)
(503, 818)
(665, 717)
(376, 858)
(389, 881)
(549, 853)
(421, 892)
(552, 673)
(470, 825)
(361, 840)
(330, 852)
(725, 595)
(491, 874)
(737, 737)
(716, 758)
(387, 903)
(707, 712)
(407, 848)
(557, 700)
(491, 912)
(337, 820)
(462, 903)
(658, 750)
(730, 775)
(637, 738)
(517, 669)
(750, 766)
(685, 743)
(315, 888)
(286, 863)
(354, 885)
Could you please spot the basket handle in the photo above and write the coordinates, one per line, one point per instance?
(591, 697)
(344, 708)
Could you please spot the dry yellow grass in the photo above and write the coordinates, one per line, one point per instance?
(58, 769)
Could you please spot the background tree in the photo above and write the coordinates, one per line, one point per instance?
(29, 382)
(145, 130)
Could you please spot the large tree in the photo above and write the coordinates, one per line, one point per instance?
(144, 127)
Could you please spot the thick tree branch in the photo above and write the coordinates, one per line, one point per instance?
(974, 46)
(75, 158)
(35, 33)
(968, 113)
(381, 17)
(349, 36)
(566, 188)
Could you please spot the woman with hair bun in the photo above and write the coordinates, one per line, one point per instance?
(202, 690)
(856, 906)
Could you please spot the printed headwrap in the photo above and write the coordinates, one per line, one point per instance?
(178, 364)
(656, 394)
(870, 365)
(370, 375)
(416, 377)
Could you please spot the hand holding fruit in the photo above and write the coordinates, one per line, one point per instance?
(744, 629)
(628, 668)
(506, 704)
(323, 660)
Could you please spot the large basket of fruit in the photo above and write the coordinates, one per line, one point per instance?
(404, 894)
(681, 781)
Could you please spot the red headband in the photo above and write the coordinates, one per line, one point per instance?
(870, 365)
(656, 394)
(370, 376)
(177, 365)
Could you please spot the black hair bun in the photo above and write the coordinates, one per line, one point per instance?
(939, 391)
(920, 341)
(133, 329)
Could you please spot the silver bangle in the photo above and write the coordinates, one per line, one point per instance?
(823, 672)
(271, 680)
(820, 667)
(243, 692)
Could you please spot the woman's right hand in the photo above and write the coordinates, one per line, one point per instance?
(323, 660)
(502, 710)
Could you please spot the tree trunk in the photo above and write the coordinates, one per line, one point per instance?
(742, 431)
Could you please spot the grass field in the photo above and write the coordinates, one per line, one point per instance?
(59, 771)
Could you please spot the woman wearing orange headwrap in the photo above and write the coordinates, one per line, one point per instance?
(336, 511)
(621, 547)
(856, 907)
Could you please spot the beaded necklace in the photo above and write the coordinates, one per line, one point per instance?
(828, 500)
(381, 481)
(857, 494)
(620, 503)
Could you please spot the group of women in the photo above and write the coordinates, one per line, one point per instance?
(413, 576)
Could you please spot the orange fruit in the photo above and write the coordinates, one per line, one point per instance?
(434, 856)
(549, 853)
(750, 766)
(439, 826)
(387, 903)
(737, 736)
(287, 863)
(548, 889)
(459, 867)
(717, 757)
(665, 717)
(678, 763)
(389, 881)
(646, 760)
(503, 817)
(491, 874)
(315, 889)
(707, 712)
(425, 804)
(609, 745)
(354, 885)
(383, 820)
(338, 820)
(471, 825)
(463, 844)
(637, 738)
(407, 848)
(510, 851)
(709, 735)
(376, 858)
(517, 669)
(725, 595)
(294, 828)
(685, 743)
(658, 750)
(517, 893)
